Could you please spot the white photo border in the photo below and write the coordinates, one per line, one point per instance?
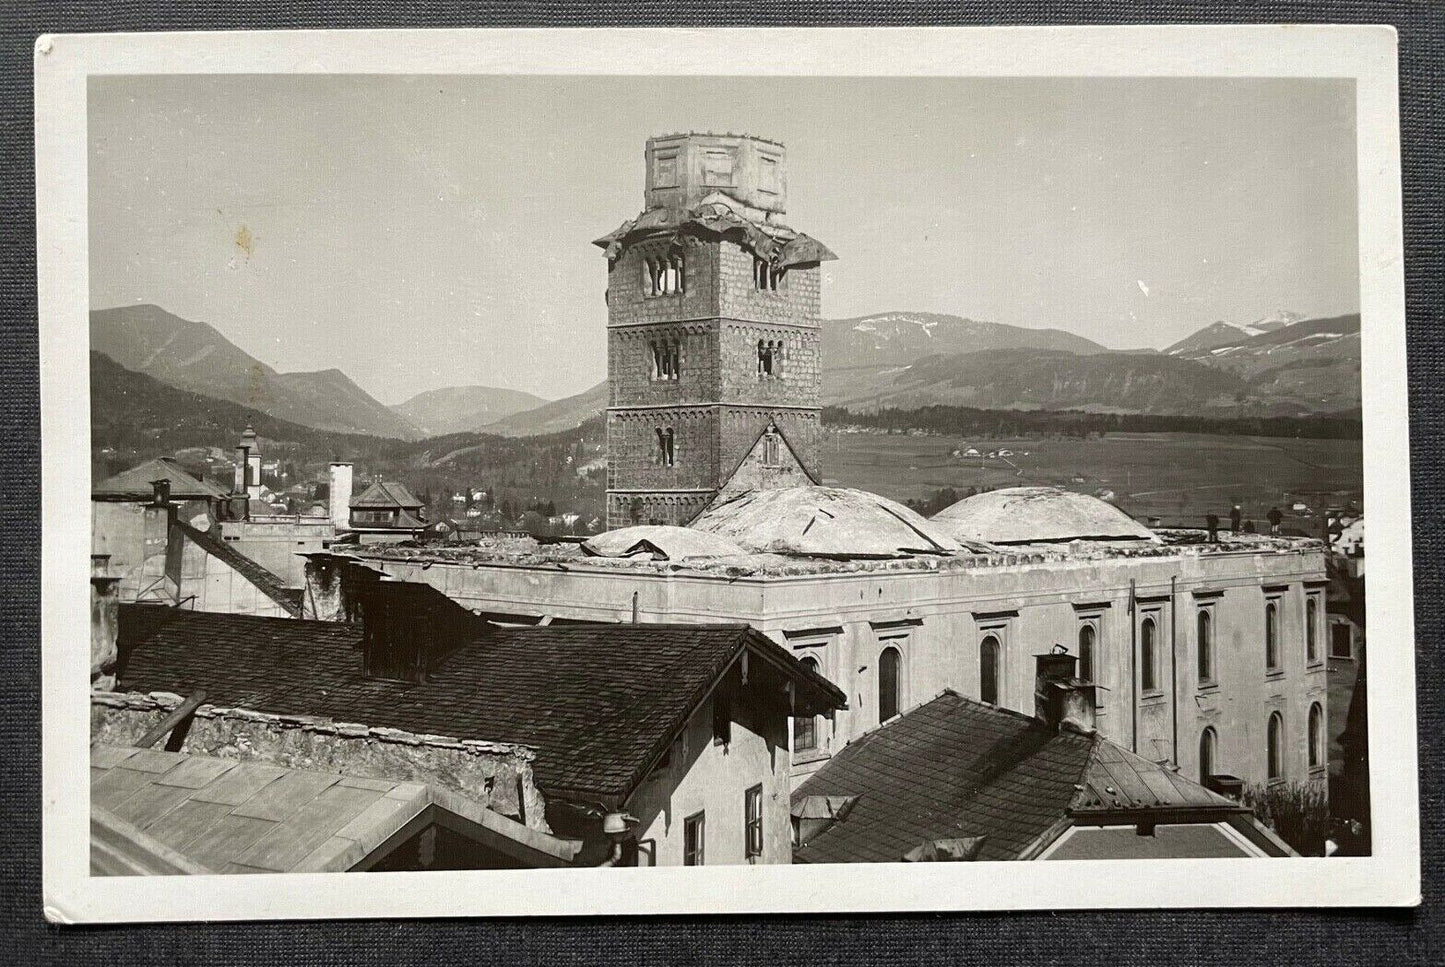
(1367, 54)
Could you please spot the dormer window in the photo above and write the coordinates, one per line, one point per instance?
(663, 274)
(666, 358)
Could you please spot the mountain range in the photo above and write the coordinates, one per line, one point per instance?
(1278, 365)
(194, 356)
(459, 409)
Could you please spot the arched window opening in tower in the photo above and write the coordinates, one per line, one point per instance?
(767, 362)
(663, 274)
(666, 358)
(766, 276)
(666, 454)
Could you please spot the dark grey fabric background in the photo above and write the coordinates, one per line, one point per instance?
(1232, 937)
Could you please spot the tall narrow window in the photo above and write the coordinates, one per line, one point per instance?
(753, 822)
(1087, 640)
(666, 453)
(888, 683)
(1317, 736)
(1312, 648)
(1207, 741)
(766, 358)
(988, 660)
(694, 834)
(805, 727)
(1271, 635)
(1340, 645)
(1148, 670)
(1205, 646)
(770, 448)
(1274, 751)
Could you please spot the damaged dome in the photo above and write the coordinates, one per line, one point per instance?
(824, 522)
(659, 543)
(1037, 515)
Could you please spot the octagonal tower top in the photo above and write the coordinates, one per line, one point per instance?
(683, 169)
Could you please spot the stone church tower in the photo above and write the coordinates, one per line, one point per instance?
(712, 333)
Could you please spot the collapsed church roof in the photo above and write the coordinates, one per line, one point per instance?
(660, 543)
(824, 522)
(719, 216)
(1035, 515)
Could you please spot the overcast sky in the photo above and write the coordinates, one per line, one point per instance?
(420, 232)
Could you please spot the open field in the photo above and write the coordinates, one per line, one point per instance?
(1178, 477)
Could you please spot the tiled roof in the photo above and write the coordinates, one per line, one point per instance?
(955, 768)
(266, 582)
(202, 814)
(136, 482)
(599, 703)
(386, 493)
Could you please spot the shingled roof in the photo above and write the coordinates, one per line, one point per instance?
(955, 768)
(265, 581)
(135, 483)
(600, 703)
(386, 493)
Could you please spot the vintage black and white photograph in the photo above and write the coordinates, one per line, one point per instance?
(555, 470)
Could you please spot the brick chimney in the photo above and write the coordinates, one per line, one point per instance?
(104, 622)
(1060, 698)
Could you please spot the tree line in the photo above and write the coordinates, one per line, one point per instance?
(1014, 424)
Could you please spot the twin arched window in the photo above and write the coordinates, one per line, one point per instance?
(666, 359)
(663, 274)
(988, 669)
(889, 683)
(1274, 753)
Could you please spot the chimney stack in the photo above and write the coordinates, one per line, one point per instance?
(104, 622)
(340, 495)
(1060, 698)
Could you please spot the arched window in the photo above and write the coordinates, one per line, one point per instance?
(1317, 736)
(770, 448)
(1205, 646)
(1312, 651)
(988, 660)
(805, 727)
(1271, 635)
(1087, 639)
(1207, 742)
(889, 667)
(767, 361)
(1148, 673)
(1275, 751)
(666, 452)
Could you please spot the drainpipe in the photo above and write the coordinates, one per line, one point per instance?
(615, 826)
(1174, 666)
(1133, 671)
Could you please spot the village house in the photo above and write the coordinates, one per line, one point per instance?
(958, 779)
(638, 743)
(386, 511)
